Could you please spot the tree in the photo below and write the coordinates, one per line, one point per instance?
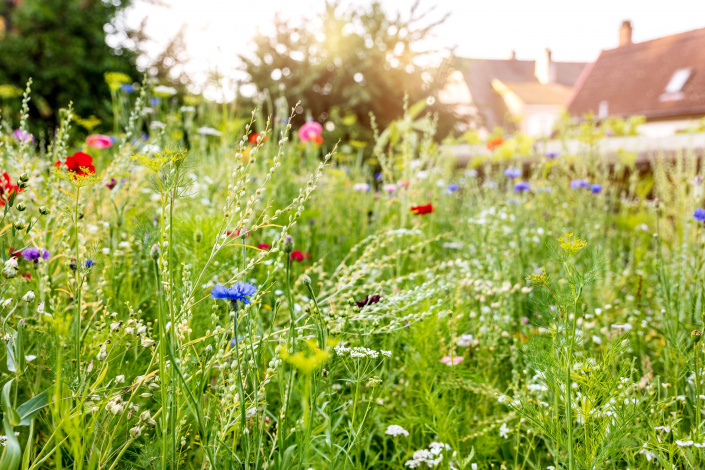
(344, 64)
(61, 45)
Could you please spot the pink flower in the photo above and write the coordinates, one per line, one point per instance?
(310, 131)
(452, 361)
(99, 141)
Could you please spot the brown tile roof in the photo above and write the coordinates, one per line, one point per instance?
(479, 74)
(632, 78)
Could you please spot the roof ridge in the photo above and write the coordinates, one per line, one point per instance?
(682, 33)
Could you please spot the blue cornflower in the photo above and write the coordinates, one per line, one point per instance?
(512, 173)
(239, 291)
(552, 155)
(580, 183)
(154, 101)
(127, 88)
(379, 176)
(596, 188)
(521, 187)
(453, 187)
(234, 341)
(90, 263)
(699, 215)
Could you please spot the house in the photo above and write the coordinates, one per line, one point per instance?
(523, 95)
(662, 79)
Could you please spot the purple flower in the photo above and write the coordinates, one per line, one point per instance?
(521, 187)
(90, 263)
(699, 215)
(23, 136)
(578, 184)
(33, 254)
(112, 184)
(453, 187)
(596, 188)
(552, 155)
(155, 101)
(512, 173)
(127, 88)
(239, 291)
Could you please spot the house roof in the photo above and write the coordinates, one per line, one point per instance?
(479, 74)
(535, 93)
(632, 78)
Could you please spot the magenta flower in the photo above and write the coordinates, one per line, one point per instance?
(99, 141)
(310, 131)
(23, 136)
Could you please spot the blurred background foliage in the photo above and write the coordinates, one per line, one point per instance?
(61, 45)
(330, 62)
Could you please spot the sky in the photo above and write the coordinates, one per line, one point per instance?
(217, 31)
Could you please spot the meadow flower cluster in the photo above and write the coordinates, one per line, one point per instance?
(192, 291)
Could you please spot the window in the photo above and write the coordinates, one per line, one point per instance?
(678, 80)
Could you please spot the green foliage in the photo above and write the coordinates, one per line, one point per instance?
(344, 64)
(61, 45)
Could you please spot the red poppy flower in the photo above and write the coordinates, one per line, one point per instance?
(318, 139)
(80, 163)
(494, 142)
(15, 253)
(421, 210)
(26, 276)
(7, 188)
(264, 246)
(299, 256)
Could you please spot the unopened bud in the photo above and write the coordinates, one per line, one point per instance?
(695, 335)
(155, 252)
(21, 207)
(288, 244)
(198, 236)
(306, 280)
(44, 210)
(24, 177)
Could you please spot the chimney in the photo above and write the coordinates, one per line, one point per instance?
(625, 33)
(544, 68)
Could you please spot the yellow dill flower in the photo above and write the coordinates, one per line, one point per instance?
(571, 244)
(161, 159)
(116, 79)
(539, 277)
(306, 361)
(80, 179)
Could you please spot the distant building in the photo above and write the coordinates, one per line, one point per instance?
(662, 79)
(515, 94)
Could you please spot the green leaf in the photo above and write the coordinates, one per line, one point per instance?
(10, 412)
(11, 454)
(11, 365)
(31, 407)
(20, 358)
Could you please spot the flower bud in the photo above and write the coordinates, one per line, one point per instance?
(21, 207)
(24, 177)
(19, 226)
(306, 280)
(28, 297)
(44, 210)
(695, 335)
(155, 252)
(198, 236)
(288, 244)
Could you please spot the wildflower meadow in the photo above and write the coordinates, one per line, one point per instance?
(189, 290)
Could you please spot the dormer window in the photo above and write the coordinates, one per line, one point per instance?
(678, 80)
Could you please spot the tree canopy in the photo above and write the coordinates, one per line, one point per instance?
(61, 45)
(343, 64)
